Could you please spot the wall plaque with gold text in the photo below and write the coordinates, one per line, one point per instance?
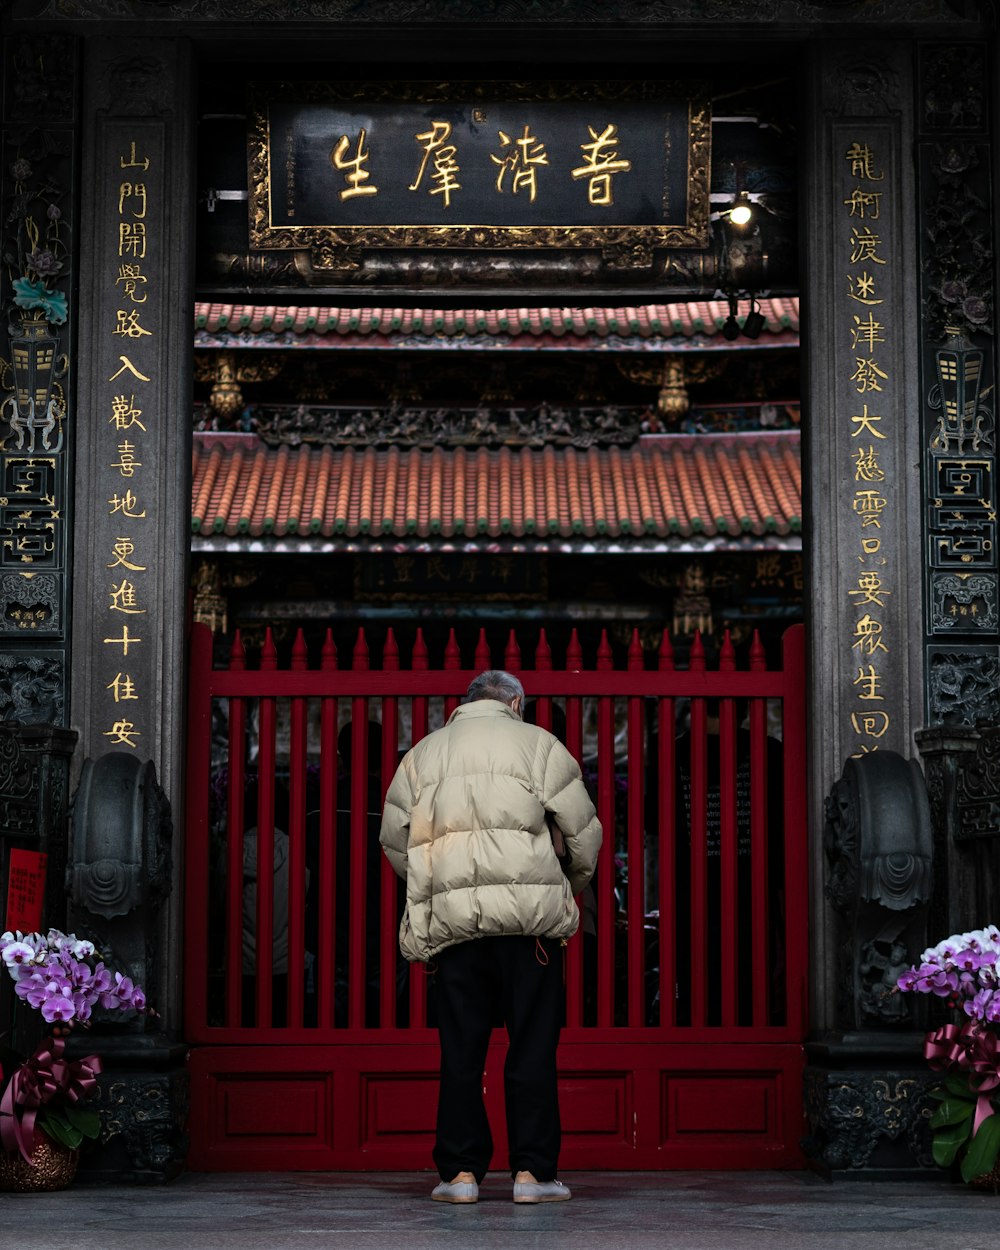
(479, 165)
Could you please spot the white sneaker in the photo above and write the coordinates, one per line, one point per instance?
(462, 1189)
(527, 1189)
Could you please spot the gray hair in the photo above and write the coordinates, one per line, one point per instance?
(495, 684)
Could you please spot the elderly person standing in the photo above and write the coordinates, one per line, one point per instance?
(469, 822)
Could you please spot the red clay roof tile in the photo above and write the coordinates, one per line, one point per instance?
(243, 323)
(671, 485)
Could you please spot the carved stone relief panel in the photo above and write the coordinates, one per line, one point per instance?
(36, 176)
(958, 366)
(963, 685)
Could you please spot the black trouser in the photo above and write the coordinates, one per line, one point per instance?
(517, 981)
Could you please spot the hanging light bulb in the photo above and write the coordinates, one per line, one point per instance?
(742, 210)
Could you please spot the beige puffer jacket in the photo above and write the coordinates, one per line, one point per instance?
(465, 825)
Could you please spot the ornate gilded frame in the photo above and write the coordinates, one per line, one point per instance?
(322, 240)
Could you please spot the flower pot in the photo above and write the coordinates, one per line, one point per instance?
(52, 1166)
(989, 1181)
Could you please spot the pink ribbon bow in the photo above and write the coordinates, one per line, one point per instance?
(973, 1049)
(40, 1079)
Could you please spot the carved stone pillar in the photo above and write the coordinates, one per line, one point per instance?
(131, 534)
(863, 461)
(133, 463)
(863, 451)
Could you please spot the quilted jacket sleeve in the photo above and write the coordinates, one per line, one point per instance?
(566, 797)
(395, 833)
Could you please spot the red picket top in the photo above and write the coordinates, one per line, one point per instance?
(635, 656)
(758, 656)
(604, 652)
(300, 652)
(237, 654)
(360, 658)
(512, 654)
(574, 653)
(666, 655)
(390, 652)
(482, 656)
(543, 653)
(328, 657)
(268, 653)
(418, 659)
(696, 661)
(452, 661)
(727, 655)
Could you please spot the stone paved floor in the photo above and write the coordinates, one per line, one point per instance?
(609, 1211)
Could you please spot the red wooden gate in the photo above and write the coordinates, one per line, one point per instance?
(685, 989)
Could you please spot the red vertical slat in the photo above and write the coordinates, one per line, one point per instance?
(606, 811)
(235, 826)
(574, 744)
(418, 717)
(297, 747)
(482, 657)
(728, 839)
(452, 661)
(636, 847)
(796, 858)
(197, 870)
(357, 964)
(264, 944)
(512, 654)
(699, 844)
(326, 892)
(667, 856)
(388, 928)
(760, 851)
(543, 664)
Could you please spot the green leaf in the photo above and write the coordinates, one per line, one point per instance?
(952, 1111)
(947, 1143)
(982, 1154)
(84, 1120)
(958, 1085)
(59, 1129)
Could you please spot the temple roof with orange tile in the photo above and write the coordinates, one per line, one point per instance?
(669, 492)
(692, 325)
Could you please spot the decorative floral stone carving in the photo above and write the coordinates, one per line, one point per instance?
(851, 1112)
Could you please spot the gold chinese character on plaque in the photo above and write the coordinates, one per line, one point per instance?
(444, 179)
(601, 163)
(355, 171)
(521, 161)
